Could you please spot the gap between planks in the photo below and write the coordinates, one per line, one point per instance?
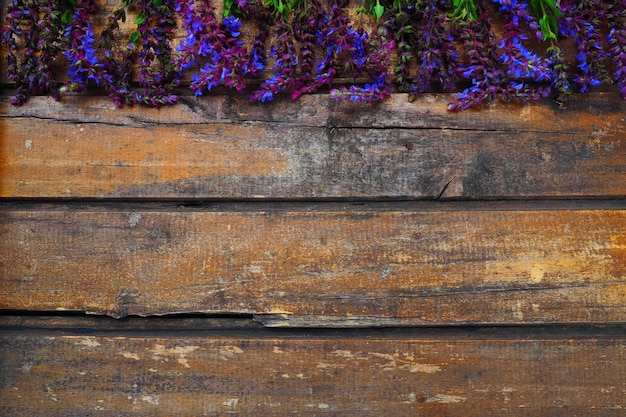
(309, 205)
(365, 375)
(236, 326)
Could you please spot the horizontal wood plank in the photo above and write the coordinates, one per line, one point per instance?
(225, 148)
(278, 374)
(353, 266)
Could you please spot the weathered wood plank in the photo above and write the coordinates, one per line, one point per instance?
(278, 374)
(347, 267)
(223, 147)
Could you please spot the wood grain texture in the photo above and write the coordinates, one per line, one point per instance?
(278, 374)
(342, 267)
(223, 147)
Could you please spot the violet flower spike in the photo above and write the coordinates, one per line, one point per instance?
(616, 38)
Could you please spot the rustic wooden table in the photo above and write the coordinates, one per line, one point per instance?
(313, 258)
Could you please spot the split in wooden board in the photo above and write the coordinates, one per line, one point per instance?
(225, 148)
(398, 373)
(353, 266)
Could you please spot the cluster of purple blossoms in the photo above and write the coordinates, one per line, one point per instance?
(83, 62)
(213, 45)
(426, 50)
(296, 47)
(285, 63)
(151, 46)
(32, 37)
(582, 21)
(616, 16)
(502, 69)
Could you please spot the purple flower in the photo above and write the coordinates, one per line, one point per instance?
(369, 93)
(616, 39)
(314, 45)
(582, 20)
(84, 64)
(217, 40)
(232, 24)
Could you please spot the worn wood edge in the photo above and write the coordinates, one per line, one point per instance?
(318, 205)
(294, 321)
(538, 155)
(53, 323)
(365, 375)
(428, 111)
(236, 326)
(430, 268)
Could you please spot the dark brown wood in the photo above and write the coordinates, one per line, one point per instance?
(277, 374)
(224, 147)
(352, 266)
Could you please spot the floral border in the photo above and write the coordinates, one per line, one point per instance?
(298, 47)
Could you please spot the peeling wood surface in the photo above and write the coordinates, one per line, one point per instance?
(224, 147)
(407, 266)
(278, 374)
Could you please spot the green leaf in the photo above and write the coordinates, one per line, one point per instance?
(67, 17)
(228, 4)
(553, 7)
(547, 25)
(546, 11)
(140, 19)
(378, 11)
(399, 4)
(464, 10)
(134, 37)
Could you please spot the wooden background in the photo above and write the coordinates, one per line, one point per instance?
(312, 258)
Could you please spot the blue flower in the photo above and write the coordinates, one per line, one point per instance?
(232, 24)
(469, 70)
(267, 96)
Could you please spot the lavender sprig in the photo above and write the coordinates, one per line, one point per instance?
(50, 27)
(520, 62)
(257, 56)
(285, 65)
(559, 73)
(402, 28)
(373, 60)
(336, 37)
(432, 43)
(308, 22)
(616, 17)
(582, 20)
(22, 25)
(156, 74)
(120, 69)
(213, 45)
(482, 69)
(84, 64)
